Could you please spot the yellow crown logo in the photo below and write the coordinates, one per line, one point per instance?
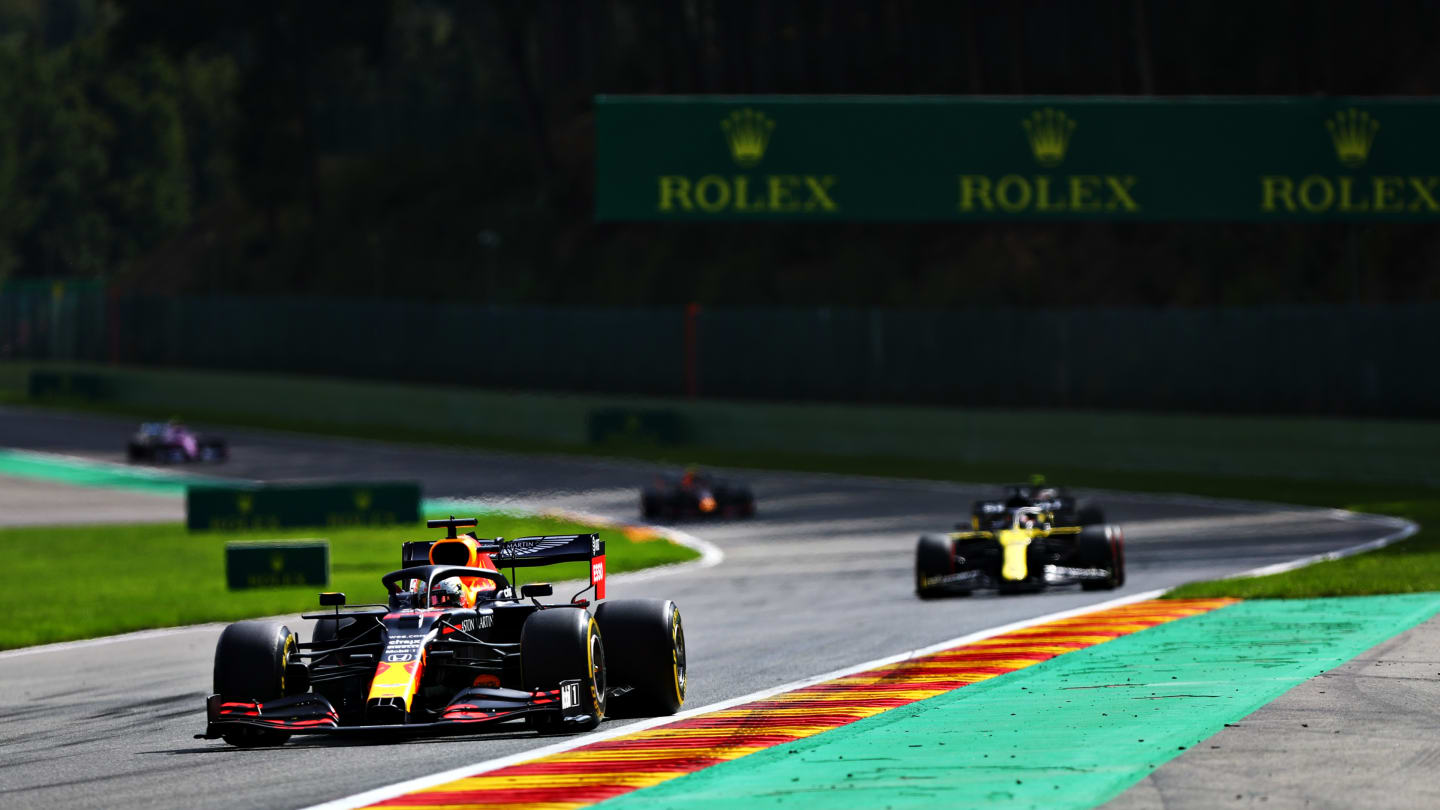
(1049, 133)
(748, 132)
(362, 499)
(1352, 131)
(244, 503)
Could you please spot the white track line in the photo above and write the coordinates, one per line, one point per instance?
(420, 783)
(710, 554)
(1406, 529)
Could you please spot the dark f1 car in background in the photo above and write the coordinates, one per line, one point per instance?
(173, 443)
(1029, 553)
(695, 495)
(1065, 509)
(457, 646)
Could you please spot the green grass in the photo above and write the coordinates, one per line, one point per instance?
(77, 582)
(1409, 566)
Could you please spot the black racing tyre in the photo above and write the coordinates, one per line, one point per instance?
(134, 453)
(213, 450)
(250, 662)
(935, 556)
(564, 644)
(645, 640)
(1102, 547)
(1089, 513)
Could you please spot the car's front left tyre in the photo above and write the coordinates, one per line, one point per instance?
(564, 644)
(251, 659)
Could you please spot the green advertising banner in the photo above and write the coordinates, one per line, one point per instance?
(272, 506)
(908, 158)
(273, 564)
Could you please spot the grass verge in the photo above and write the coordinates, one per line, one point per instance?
(1409, 566)
(84, 581)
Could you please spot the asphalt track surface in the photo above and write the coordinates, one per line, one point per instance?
(820, 579)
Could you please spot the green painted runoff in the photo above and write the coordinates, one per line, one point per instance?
(1072, 732)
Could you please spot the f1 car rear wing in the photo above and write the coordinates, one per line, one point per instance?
(522, 552)
(557, 548)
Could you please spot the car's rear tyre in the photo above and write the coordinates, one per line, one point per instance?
(1103, 547)
(645, 639)
(250, 662)
(564, 644)
(935, 557)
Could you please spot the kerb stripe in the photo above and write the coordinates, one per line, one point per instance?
(603, 770)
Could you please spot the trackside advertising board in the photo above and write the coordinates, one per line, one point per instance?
(909, 158)
(278, 505)
(277, 563)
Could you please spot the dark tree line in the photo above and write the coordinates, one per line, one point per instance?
(443, 148)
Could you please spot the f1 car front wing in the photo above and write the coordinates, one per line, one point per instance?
(313, 714)
(1052, 575)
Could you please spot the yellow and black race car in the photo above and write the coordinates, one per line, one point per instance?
(457, 647)
(1027, 552)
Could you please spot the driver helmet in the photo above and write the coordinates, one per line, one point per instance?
(447, 592)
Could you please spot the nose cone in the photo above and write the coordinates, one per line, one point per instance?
(1015, 542)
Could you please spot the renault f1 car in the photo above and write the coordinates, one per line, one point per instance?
(695, 495)
(1030, 553)
(1063, 507)
(457, 647)
(173, 443)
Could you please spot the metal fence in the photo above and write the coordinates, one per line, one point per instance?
(1332, 360)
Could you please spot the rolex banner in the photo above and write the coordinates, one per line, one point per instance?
(271, 506)
(946, 158)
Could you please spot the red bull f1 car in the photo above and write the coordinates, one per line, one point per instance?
(1026, 551)
(457, 647)
(696, 495)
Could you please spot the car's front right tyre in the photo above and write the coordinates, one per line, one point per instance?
(646, 642)
(250, 662)
(934, 557)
